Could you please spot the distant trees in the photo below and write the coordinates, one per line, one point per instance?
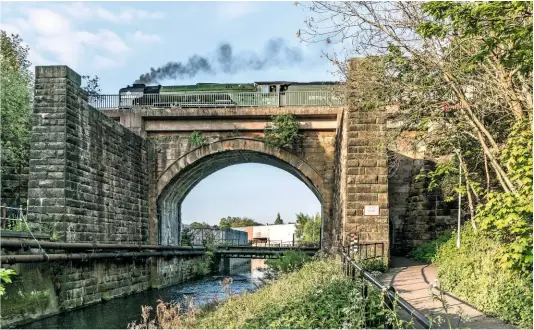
(233, 222)
(308, 227)
(278, 220)
(199, 225)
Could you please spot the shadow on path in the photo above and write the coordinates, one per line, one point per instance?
(413, 280)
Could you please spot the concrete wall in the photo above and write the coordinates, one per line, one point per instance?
(89, 177)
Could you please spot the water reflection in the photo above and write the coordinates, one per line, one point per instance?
(117, 313)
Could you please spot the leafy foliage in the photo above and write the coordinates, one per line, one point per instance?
(318, 295)
(196, 139)
(473, 273)
(426, 252)
(5, 277)
(282, 132)
(507, 217)
(15, 108)
(499, 26)
(232, 222)
(308, 227)
(289, 262)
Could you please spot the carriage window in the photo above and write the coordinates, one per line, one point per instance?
(265, 89)
(272, 88)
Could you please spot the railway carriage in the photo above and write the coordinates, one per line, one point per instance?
(266, 93)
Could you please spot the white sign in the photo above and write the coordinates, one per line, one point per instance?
(371, 210)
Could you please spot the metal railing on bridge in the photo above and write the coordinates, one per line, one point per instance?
(217, 100)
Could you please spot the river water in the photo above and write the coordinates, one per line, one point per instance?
(118, 313)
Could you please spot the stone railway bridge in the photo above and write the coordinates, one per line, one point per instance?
(120, 176)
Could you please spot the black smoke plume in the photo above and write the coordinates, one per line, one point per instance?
(275, 54)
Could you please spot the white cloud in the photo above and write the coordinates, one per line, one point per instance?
(145, 38)
(47, 22)
(228, 11)
(102, 62)
(127, 15)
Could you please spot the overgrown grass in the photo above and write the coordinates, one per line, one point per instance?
(318, 295)
(474, 273)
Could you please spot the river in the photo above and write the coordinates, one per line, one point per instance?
(118, 313)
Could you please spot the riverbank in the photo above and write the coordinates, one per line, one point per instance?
(118, 313)
(318, 295)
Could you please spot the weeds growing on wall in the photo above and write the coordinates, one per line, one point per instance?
(283, 132)
(196, 139)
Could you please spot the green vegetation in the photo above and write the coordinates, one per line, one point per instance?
(308, 227)
(5, 277)
(199, 225)
(426, 252)
(196, 139)
(318, 295)
(282, 132)
(15, 110)
(289, 262)
(23, 303)
(474, 273)
(278, 220)
(233, 222)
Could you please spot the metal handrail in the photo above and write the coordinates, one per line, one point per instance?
(217, 100)
(390, 294)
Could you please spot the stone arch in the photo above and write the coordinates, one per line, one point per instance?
(186, 172)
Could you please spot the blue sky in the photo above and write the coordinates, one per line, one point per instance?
(118, 41)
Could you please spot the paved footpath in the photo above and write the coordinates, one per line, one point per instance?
(412, 281)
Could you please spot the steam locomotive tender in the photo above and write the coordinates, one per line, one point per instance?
(221, 95)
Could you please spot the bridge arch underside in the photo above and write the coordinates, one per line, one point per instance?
(182, 176)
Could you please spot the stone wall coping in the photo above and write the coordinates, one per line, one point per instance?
(58, 71)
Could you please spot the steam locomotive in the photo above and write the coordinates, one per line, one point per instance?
(225, 95)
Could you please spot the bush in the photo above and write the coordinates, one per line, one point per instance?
(290, 261)
(282, 132)
(473, 272)
(426, 252)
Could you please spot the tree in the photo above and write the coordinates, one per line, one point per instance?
(461, 75)
(308, 227)
(16, 99)
(199, 225)
(278, 220)
(233, 222)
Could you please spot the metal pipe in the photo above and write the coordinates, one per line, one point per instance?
(4, 243)
(29, 258)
